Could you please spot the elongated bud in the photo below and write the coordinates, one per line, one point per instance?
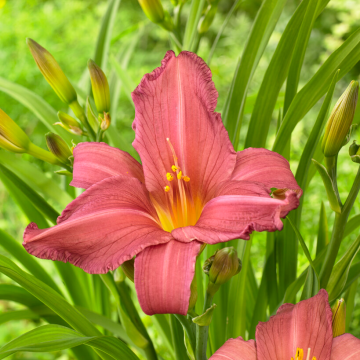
(58, 147)
(100, 87)
(128, 269)
(52, 72)
(222, 266)
(354, 152)
(338, 318)
(155, 12)
(340, 121)
(207, 19)
(12, 137)
(69, 123)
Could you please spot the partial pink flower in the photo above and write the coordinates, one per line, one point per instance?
(191, 189)
(303, 330)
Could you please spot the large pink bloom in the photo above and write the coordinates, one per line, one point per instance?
(191, 189)
(306, 326)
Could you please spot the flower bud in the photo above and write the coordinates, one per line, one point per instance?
(207, 19)
(340, 121)
(222, 266)
(354, 152)
(52, 72)
(12, 138)
(154, 11)
(105, 122)
(338, 318)
(100, 88)
(69, 123)
(128, 269)
(58, 147)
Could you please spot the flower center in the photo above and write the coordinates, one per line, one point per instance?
(299, 355)
(181, 209)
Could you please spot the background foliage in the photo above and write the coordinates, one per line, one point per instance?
(68, 29)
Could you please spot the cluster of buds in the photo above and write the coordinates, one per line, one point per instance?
(338, 127)
(221, 267)
(14, 139)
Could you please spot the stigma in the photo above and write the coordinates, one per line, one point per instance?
(299, 355)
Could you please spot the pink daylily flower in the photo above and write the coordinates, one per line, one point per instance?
(297, 332)
(191, 189)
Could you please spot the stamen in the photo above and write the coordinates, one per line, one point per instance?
(169, 177)
(174, 168)
(179, 175)
(186, 178)
(167, 188)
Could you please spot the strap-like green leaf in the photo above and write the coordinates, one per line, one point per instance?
(352, 225)
(54, 338)
(274, 78)
(312, 283)
(344, 58)
(42, 110)
(35, 178)
(334, 203)
(323, 232)
(48, 296)
(261, 31)
(341, 270)
(191, 32)
(47, 210)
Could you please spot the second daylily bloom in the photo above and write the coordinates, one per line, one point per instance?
(191, 189)
(297, 332)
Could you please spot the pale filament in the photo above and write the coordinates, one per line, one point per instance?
(180, 207)
(300, 355)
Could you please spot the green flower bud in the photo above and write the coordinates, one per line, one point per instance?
(222, 266)
(354, 152)
(105, 122)
(128, 269)
(207, 19)
(100, 88)
(154, 11)
(340, 121)
(69, 123)
(52, 72)
(58, 147)
(338, 318)
(12, 138)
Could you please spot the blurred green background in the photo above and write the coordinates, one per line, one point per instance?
(69, 28)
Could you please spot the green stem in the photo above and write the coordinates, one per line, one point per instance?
(44, 155)
(80, 114)
(331, 167)
(202, 332)
(338, 233)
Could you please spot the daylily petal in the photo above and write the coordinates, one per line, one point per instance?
(177, 101)
(266, 167)
(106, 225)
(236, 216)
(247, 188)
(163, 274)
(236, 349)
(94, 162)
(304, 325)
(345, 347)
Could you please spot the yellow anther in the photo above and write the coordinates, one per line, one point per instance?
(179, 175)
(169, 177)
(186, 178)
(167, 188)
(174, 168)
